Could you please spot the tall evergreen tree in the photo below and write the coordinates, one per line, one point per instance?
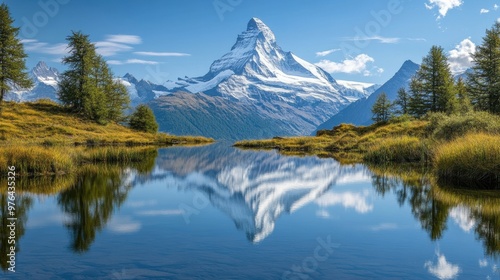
(87, 87)
(12, 56)
(402, 101)
(433, 83)
(382, 109)
(484, 80)
(418, 104)
(463, 102)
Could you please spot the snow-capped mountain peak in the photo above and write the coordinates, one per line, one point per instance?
(256, 25)
(45, 74)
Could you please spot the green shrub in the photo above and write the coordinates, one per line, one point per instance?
(449, 127)
(143, 119)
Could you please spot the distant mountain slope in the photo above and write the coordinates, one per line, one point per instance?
(258, 85)
(213, 116)
(359, 112)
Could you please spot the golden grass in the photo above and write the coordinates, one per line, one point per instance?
(399, 149)
(39, 138)
(345, 142)
(45, 121)
(36, 160)
(472, 157)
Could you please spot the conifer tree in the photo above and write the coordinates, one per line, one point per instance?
(88, 87)
(484, 80)
(432, 85)
(12, 56)
(463, 102)
(143, 119)
(382, 109)
(402, 101)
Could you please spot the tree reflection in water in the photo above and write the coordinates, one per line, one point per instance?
(97, 192)
(432, 202)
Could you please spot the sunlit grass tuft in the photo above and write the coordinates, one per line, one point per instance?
(473, 157)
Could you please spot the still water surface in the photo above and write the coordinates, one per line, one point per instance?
(216, 212)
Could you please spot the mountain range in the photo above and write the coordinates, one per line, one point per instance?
(256, 90)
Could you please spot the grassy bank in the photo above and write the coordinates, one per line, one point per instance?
(45, 122)
(60, 160)
(459, 147)
(41, 138)
(346, 143)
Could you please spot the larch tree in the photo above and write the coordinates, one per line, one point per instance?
(88, 87)
(382, 109)
(12, 56)
(484, 81)
(402, 101)
(433, 83)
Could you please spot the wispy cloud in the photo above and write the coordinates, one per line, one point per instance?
(384, 226)
(132, 61)
(327, 52)
(484, 11)
(106, 48)
(124, 39)
(162, 54)
(32, 45)
(443, 6)
(417, 39)
(123, 225)
(495, 7)
(384, 40)
(166, 212)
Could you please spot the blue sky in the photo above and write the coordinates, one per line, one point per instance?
(161, 40)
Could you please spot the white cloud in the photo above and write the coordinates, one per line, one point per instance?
(463, 218)
(483, 263)
(417, 39)
(495, 7)
(384, 40)
(114, 44)
(357, 201)
(357, 64)
(327, 52)
(484, 11)
(124, 39)
(384, 226)
(460, 57)
(443, 6)
(123, 225)
(162, 54)
(106, 48)
(132, 61)
(322, 213)
(167, 212)
(442, 269)
(36, 46)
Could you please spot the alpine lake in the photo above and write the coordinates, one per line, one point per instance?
(217, 212)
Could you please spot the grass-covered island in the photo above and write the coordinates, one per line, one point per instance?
(461, 147)
(44, 137)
